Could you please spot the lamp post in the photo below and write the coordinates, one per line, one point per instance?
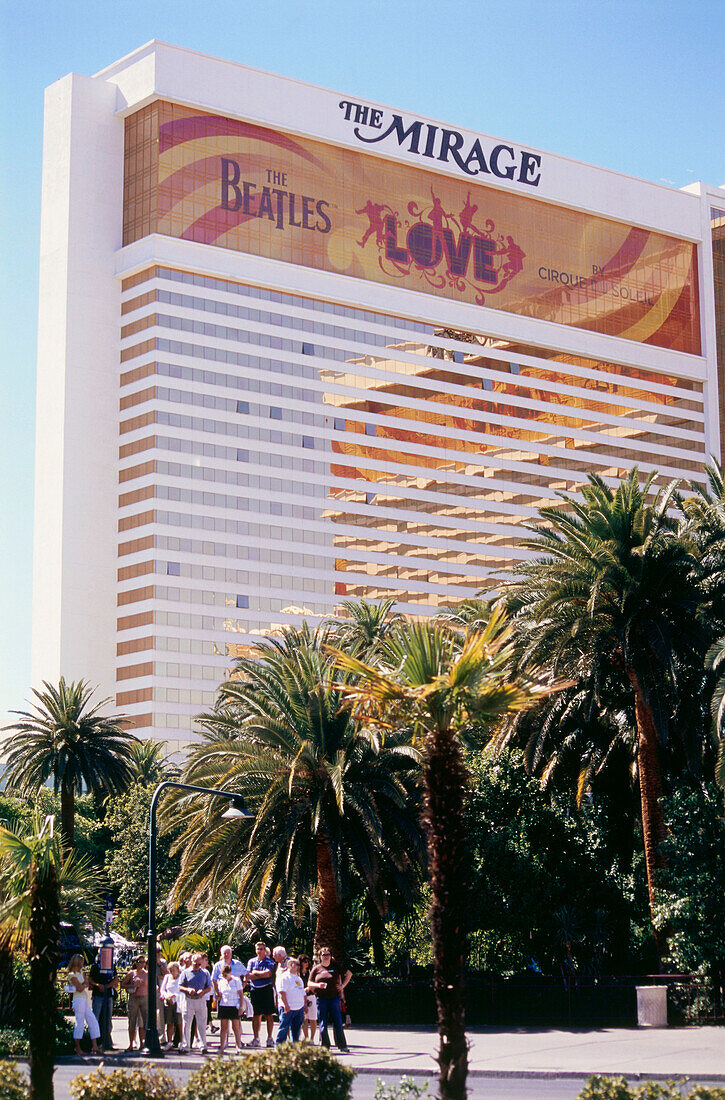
(237, 809)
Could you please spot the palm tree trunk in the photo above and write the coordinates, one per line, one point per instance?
(330, 929)
(8, 990)
(67, 816)
(44, 955)
(650, 793)
(444, 798)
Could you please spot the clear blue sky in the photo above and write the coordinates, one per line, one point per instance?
(634, 85)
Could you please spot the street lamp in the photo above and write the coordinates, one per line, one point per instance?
(237, 809)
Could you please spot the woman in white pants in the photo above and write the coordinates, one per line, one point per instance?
(78, 985)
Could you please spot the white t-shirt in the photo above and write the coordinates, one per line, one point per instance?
(76, 978)
(229, 991)
(294, 987)
(170, 988)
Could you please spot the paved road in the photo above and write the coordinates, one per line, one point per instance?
(480, 1088)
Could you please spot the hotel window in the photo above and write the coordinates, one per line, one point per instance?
(173, 569)
(308, 441)
(242, 406)
(275, 413)
(308, 349)
(242, 601)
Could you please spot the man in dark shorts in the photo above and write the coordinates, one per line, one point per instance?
(260, 972)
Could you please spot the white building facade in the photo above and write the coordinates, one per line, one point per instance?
(296, 349)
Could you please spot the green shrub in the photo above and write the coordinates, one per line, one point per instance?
(14, 1041)
(294, 1071)
(605, 1088)
(658, 1090)
(616, 1088)
(124, 1084)
(406, 1089)
(13, 1083)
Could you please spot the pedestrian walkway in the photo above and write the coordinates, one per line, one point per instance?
(524, 1052)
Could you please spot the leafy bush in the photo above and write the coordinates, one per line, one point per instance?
(13, 1083)
(295, 1071)
(658, 1090)
(616, 1088)
(406, 1089)
(605, 1088)
(124, 1084)
(14, 1041)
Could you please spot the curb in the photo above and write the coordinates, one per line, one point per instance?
(171, 1062)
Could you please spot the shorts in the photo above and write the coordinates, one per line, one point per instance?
(137, 1011)
(228, 1012)
(311, 1008)
(171, 1014)
(263, 1001)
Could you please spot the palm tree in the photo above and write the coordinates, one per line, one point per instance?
(616, 594)
(38, 887)
(365, 626)
(331, 802)
(149, 762)
(66, 739)
(715, 660)
(449, 691)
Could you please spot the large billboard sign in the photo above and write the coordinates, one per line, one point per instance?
(236, 185)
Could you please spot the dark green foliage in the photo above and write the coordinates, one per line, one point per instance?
(124, 1084)
(333, 805)
(13, 1041)
(13, 1083)
(295, 1071)
(544, 882)
(691, 904)
(127, 858)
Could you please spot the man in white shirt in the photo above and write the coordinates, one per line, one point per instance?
(279, 954)
(291, 992)
(226, 958)
(195, 983)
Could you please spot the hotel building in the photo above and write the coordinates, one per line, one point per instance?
(296, 348)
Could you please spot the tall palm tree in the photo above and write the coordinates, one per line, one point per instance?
(330, 801)
(449, 691)
(149, 762)
(66, 739)
(39, 886)
(616, 593)
(365, 626)
(715, 660)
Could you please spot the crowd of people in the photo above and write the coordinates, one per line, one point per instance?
(302, 994)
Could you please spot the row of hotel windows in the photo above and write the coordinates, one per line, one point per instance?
(280, 298)
(235, 454)
(275, 556)
(407, 328)
(446, 473)
(409, 533)
(240, 430)
(457, 441)
(427, 389)
(439, 411)
(281, 320)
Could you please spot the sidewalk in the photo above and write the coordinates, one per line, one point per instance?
(524, 1052)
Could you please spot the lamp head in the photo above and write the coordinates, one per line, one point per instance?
(237, 809)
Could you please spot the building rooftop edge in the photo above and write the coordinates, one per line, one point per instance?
(155, 44)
